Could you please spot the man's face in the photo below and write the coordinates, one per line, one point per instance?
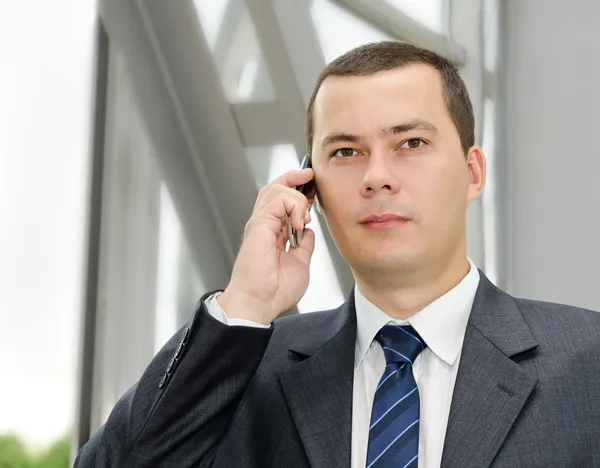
(385, 144)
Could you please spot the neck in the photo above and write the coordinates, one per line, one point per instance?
(401, 295)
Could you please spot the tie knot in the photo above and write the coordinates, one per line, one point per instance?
(400, 344)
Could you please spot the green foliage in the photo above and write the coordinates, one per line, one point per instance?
(14, 454)
(57, 455)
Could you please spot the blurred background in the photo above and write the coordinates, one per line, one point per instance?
(134, 136)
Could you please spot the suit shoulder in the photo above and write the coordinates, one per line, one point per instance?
(562, 323)
(299, 323)
(558, 311)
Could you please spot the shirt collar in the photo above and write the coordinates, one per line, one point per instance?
(442, 324)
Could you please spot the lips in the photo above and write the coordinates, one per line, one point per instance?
(383, 222)
(383, 218)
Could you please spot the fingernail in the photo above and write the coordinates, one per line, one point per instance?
(307, 216)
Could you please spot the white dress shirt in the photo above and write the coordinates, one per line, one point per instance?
(442, 325)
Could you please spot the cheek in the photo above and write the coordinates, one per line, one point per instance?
(441, 191)
(331, 191)
(331, 203)
(335, 207)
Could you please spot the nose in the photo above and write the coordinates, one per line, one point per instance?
(379, 176)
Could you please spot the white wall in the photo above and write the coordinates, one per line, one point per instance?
(549, 151)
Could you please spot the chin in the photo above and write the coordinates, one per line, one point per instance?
(385, 259)
(374, 250)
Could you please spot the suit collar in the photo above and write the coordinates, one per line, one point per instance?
(497, 316)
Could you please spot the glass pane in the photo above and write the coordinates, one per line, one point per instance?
(339, 30)
(178, 284)
(45, 85)
(231, 36)
(431, 13)
(324, 291)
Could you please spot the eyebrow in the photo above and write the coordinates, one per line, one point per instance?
(414, 124)
(340, 137)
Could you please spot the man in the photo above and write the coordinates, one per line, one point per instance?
(426, 364)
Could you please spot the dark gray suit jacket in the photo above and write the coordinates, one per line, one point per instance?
(527, 393)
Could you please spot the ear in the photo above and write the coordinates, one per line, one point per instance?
(318, 206)
(476, 165)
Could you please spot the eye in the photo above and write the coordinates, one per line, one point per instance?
(345, 152)
(413, 143)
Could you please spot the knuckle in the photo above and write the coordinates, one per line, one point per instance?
(248, 225)
(264, 189)
(260, 197)
(271, 190)
(274, 196)
(280, 196)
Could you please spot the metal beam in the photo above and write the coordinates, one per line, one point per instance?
(281, 72)
(505, 197)
(204, 114)
(394, 22)
(302, 44)
(234, 12)
(489, 84)
(159, 46)
(199, 148)
(261, 123)
(88, 329)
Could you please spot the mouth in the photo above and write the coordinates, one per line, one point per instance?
(383, 222)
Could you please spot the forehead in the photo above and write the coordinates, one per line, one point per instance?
(363, 103)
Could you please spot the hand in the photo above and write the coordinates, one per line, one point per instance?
(266, 279)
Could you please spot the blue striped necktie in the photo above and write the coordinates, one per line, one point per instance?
(394, 429)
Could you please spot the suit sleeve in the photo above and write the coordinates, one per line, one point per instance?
(184, 402)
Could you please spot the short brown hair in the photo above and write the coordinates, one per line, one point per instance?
(388, 55)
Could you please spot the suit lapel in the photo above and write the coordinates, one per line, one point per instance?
(491, 389)
(318, 389)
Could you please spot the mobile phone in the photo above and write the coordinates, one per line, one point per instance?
(295, 237)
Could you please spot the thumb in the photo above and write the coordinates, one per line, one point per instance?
(306, 247)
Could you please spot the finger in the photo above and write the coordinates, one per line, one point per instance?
(292, 200)
(290, 179)
(275, 212)
(296, 237)
(273, 215)
(307, 216)
(306, 247)
(294, 178)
